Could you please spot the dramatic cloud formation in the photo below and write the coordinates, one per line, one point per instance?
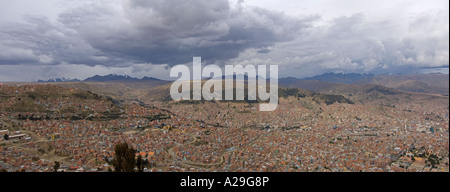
(353, 44)
(142, 37)
(172, 32)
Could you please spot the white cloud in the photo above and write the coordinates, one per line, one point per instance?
(303, 37)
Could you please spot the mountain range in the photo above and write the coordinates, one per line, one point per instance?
(106, 78)
(350, 78)
(349, 85)
(58, 80)
(435, 83)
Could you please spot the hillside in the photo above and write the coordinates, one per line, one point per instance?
(350, 78)
(115, 86)
(421, 83)
(55, 102)
(162, 93)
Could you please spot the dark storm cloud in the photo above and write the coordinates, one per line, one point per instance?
(38, 41)
(353, 44)
(127, 33)
(172, 32)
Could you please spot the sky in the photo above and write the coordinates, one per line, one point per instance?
(81, 38)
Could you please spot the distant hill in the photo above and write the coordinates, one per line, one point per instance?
(233, 77)
(110, 77)
(162, 93)
(119, 78)
(58, 80)
(150, 79)
(421, 83)
(350, 78)
(73, 103)
(106, 78)
(312, 85)
(317, 97)
(119, 87)
(363, 87)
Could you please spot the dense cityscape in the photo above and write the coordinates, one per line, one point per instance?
(79, 130)
(250, 90)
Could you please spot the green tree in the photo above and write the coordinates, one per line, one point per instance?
(56, 166)
(139, 163)
(124, 160)
(433, 162)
